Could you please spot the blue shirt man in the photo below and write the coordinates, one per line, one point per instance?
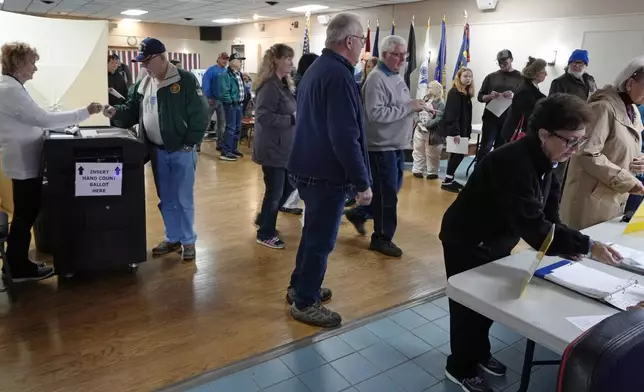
(210, 87)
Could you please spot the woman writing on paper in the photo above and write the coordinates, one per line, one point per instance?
(458, 122)
(512, 195)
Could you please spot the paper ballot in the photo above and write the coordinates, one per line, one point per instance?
(498, 106)
(586, 322)
(461, 148)
(637, 221)
(115, 93)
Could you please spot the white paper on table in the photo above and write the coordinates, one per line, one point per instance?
(88, 132)
(586, 322)
(60, 136)
(115, 93)
(461, 148)
(498, 106)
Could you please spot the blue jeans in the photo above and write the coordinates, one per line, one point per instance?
(324, 204)
(387, 172)
(234, 116)
(174, 177)
(278, 189)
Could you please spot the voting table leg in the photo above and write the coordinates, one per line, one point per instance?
(528, 363)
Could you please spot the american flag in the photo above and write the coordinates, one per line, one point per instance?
(307, 40)
(189, 61)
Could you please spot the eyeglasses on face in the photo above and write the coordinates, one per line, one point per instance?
(362, 39)
(573, 141)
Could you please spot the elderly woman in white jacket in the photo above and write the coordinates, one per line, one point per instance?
(22, 123)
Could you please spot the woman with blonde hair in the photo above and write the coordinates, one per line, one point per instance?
(369, 65)
(458, 122)
(274, 132)
(428, 141)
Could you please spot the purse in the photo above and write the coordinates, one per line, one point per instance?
(518, 132)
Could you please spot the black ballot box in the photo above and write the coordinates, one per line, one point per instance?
(93, 213)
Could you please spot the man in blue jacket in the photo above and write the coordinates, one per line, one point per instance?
(329, 157)
(210, 85)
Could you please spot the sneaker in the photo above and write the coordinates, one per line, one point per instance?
(189, 253)
(228, 157)
(40, 273)
(166, 247)
(459, 185)
(273, 243)
(494, 367)
(451, 186)
(316, 315)
(387, 248)
(418, 175)
(325, 295)
(294, 211)
(357, 221)
(432, 177)
(238, 154)
(472, 384)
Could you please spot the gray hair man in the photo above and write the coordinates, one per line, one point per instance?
(330, 159)
(389, 113)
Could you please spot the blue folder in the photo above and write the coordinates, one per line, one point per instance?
(542, 272)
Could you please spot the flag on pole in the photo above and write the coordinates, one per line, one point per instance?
(368, 45)
(440, 73)
(464, 53)
(375, 40)
(393, 26)
(411, 54)
(423, 73)
(307, 40)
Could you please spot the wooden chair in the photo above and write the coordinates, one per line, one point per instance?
(248, 124)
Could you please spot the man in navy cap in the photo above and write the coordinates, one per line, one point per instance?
(232, 94)
(172, 113)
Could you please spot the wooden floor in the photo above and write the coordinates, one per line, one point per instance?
(174, 320)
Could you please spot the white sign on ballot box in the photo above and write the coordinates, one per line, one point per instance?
(99, 178)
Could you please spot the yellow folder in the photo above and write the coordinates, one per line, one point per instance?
(540, 255)
(637, 221)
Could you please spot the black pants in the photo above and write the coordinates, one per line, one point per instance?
(26, 206)
(278, 189)
(469, 331)
(491, 134)
(452, 163)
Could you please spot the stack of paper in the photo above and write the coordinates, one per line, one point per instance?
(631, 257)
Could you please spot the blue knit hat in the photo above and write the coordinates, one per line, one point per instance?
(579, 55)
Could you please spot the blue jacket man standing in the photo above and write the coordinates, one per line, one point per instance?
(210, 87)
(329, 156)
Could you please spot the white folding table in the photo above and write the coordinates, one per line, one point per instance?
(540, 314)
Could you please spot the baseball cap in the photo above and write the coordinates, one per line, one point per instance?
(236, 56)
(148, 48)
(504, 55)
(223, 55)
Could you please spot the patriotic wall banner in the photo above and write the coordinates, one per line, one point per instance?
(189, 61)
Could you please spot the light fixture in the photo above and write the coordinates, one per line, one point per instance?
(308, 8)
(130, 20)
(134, 12)
(227, 20)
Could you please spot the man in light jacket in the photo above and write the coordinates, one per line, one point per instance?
(389, 114)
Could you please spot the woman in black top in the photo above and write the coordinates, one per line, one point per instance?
(525, 98)
(512, 195)
(458, 122)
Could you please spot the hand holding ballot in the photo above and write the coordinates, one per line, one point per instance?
(637, 165)
(638, 189)
(604, 253)
(109, 111)
(418, 105)
(508, 94)
(94, 108)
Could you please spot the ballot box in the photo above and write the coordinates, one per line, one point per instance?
(93, 214)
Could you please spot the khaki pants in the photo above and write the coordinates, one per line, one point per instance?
(426, 157)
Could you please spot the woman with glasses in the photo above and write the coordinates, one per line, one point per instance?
(512, 195)
(603, 174)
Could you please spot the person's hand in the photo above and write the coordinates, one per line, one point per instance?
(109, 111)
(457, 140)
(604, 253)
(508, 95)
(576, 258)
(94, 108)
(364, 198)
(638, 306)
(211, 101)
(637, 189)
(637, 165)
(418, 105)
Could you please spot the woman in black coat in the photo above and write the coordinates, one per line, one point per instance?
(525, 98)
(512, 195)
(458, 122)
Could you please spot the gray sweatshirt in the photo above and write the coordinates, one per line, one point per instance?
(388, 115)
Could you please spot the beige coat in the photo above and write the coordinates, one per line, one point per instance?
(598, 177)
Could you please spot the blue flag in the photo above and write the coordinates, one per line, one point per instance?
(375, 52)
(464, 53)
(440, 74)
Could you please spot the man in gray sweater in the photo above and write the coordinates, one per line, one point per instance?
(389, 114)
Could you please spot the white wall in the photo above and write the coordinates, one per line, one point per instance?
(527, 27)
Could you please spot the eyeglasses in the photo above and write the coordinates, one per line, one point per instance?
(362, 39)
(638, 72)
(400, 55)
(572, 142)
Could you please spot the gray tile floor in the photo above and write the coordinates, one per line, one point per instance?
(404, 352)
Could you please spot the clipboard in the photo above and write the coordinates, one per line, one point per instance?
(540, 255)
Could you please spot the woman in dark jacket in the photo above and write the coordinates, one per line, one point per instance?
(525, 98)
(274, 132)
(458, 122)
(511, 195)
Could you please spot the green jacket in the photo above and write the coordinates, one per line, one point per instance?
(229, 88)
(183, 109)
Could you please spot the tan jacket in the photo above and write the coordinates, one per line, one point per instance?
(599, 178)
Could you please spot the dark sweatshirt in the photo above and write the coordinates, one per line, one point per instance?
(500, 82)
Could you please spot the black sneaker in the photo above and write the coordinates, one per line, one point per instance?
(40, 273)
(189, 253)
(387, 248)
(418, 175)
(357, 221)
(294, 211)
(494, 367)
(432, 177)
(472, 384)
(238, 154)
(459, 185)
(273, 243)
(325, 295)
(166, 247)
(451, 186)
(316, 315)
(228, 157)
